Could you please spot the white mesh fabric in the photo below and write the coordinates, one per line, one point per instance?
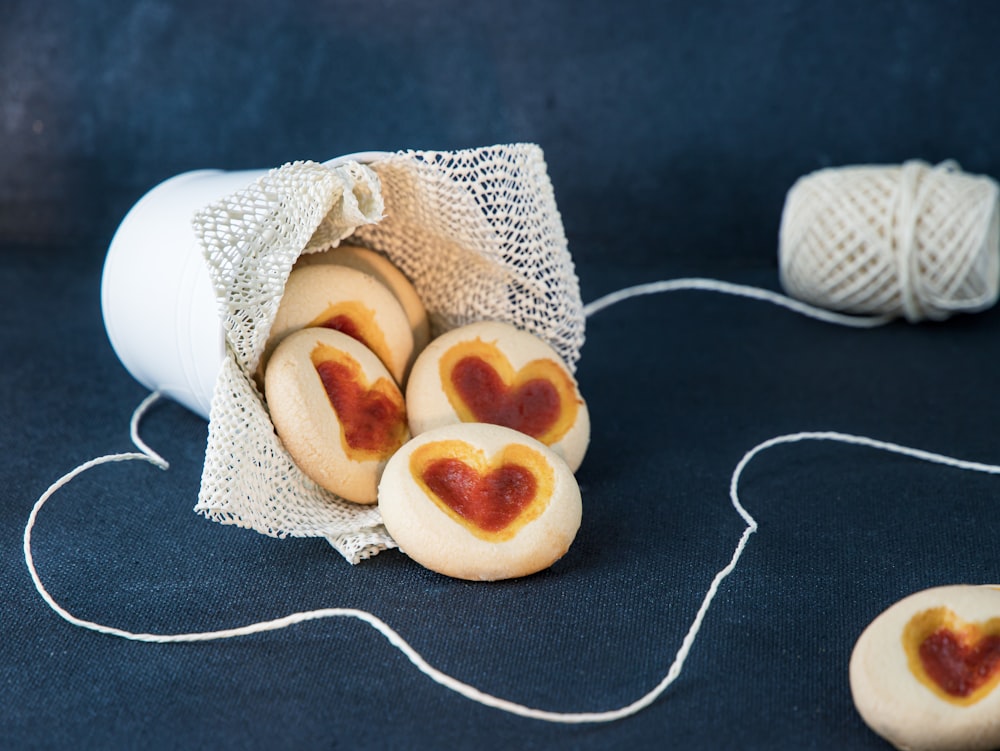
(252, 238)
(477, 232)
(479, 235)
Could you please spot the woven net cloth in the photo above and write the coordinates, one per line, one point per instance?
(477, 232)
(911, 240)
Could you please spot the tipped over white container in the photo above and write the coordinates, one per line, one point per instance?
(158, 305)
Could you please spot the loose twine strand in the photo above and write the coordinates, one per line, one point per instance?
(470, 692)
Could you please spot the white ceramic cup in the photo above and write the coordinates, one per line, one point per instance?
(159, 309)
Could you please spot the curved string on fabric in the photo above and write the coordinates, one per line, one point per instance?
(738, 290)
(146, 454)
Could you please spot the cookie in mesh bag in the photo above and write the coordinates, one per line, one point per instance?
(477, 232)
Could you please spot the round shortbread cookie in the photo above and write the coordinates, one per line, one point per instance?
(337, 410)
(495, 373)
(377, 265)
(480, 502)
(346, 300)
(925, 674)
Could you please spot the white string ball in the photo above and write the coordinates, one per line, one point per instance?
(910, 240)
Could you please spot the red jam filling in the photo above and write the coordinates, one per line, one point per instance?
(371, 420)
(959, 668)
(491, 501)
(531, 407)
(345, 325)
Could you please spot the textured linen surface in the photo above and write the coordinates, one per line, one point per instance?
(844, 532)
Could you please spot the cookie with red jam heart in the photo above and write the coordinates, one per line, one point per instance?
(490, 372)
(925, 674)
(346, 300)
(480, 501)
(382, 269)
(337, 409)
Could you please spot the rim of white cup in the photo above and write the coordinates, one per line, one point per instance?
(195, 374)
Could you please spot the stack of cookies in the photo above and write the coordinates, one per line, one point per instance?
(468, 442)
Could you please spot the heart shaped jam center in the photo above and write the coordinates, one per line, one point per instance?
(531, 406)
(482, 386)
(959, 661)
(492, 498)
(957, 666)
(372, 417)
(491, 501)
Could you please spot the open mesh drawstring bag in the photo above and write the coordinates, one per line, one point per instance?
(476, 231)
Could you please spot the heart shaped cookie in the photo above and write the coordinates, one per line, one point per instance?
(495, 373)
(925, 673)
(480, 501)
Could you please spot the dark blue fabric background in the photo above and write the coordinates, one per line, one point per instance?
(672, 132)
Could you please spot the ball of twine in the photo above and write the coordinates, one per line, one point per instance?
(913, 240)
